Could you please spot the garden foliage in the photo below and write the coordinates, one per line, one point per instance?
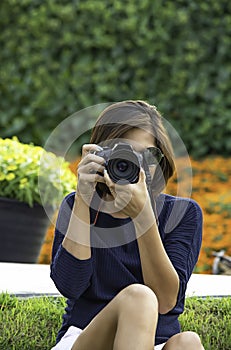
(30, 174)
(58, 57)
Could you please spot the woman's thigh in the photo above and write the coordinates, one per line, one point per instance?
(71, 336)
(126, 308)
(101, 330)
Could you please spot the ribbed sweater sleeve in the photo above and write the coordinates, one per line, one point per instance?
(183, 244)
(71, 276)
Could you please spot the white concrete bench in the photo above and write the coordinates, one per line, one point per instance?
(34, 280)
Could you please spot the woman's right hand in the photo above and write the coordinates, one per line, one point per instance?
(88, 172)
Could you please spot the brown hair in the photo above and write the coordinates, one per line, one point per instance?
(121, 117)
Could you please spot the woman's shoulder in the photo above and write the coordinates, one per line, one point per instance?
(174, 210)
(67, 203)
(69, 198)
(169, 200)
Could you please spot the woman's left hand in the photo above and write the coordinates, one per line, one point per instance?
(130, 199)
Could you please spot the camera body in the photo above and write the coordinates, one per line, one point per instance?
(122, 163)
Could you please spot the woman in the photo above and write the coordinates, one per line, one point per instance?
(119, 255)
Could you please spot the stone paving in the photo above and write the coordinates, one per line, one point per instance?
(34, 280)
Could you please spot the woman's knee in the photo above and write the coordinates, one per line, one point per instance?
(186, 340)
(138, 295)
(138, 307)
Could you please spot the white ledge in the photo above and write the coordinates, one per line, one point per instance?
(209, 285)
(34, 280)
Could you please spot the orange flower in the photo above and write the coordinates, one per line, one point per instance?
(212, 190)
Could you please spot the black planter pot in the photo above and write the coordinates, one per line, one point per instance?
(22, 231)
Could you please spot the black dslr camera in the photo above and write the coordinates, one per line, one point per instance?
(122, 163)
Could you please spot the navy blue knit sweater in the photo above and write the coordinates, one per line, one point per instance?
(90, 284)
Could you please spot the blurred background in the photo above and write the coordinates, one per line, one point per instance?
(58, 57)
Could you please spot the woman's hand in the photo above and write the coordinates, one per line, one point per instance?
(130, 199)
(88, 172)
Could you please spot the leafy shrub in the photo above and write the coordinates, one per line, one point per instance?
(27, 172)
(60, 57)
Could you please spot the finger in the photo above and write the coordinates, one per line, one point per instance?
(90, 157)
(99, 178)
(85, 178)
(142, 176)
(91, 168)
(90, 147)
(107, 179)
(110, 184)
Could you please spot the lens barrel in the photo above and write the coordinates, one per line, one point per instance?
(123, 165)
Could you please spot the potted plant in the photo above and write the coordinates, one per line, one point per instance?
(32, 185)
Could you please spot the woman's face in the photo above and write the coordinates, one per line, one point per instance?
(140, 139)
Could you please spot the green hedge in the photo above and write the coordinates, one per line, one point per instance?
(58, 57)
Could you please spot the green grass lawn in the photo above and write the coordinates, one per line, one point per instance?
(32, 324)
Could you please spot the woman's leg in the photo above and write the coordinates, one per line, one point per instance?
(183, 341)
(127, 322)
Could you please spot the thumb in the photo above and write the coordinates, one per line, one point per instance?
(142, 176)
(107, 178)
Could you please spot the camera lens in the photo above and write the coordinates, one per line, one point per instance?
(122, 166)
(123, 170)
